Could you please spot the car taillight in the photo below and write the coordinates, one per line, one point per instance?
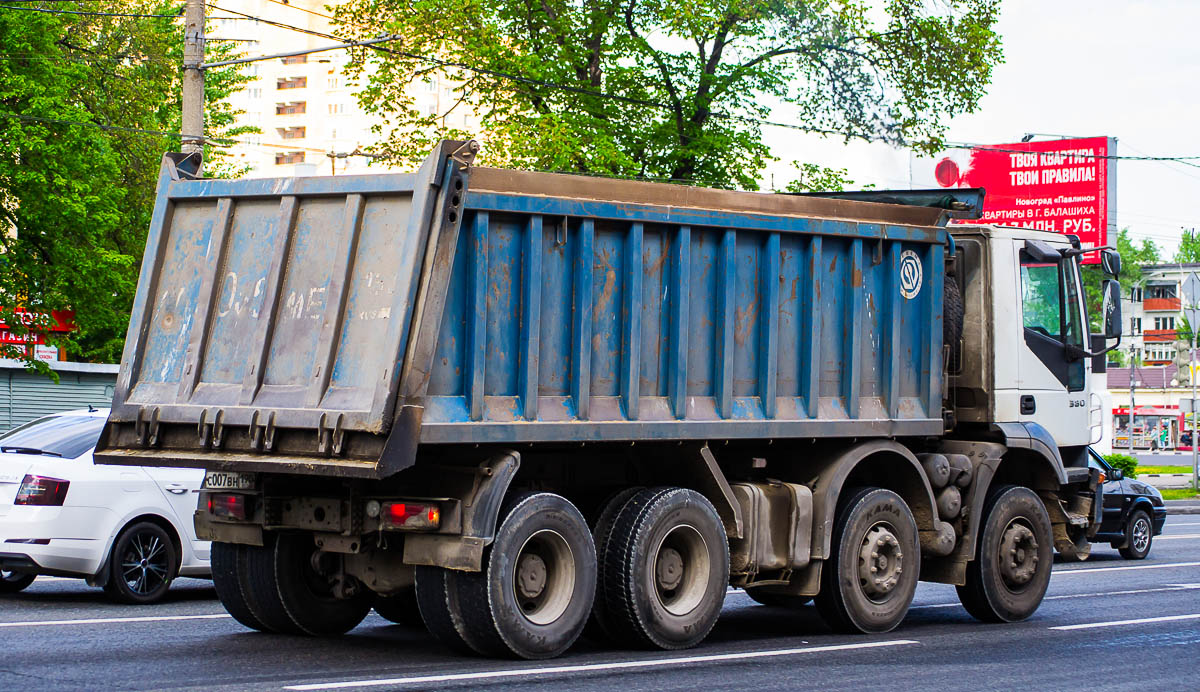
(229, 505)
(42, 491)
(410, 515)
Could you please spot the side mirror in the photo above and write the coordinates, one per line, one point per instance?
(1116, 475)
(1110, 262)
(1111, 307)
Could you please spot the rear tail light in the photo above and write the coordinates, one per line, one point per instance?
(410, 516)
(42, 491)
(229, 505)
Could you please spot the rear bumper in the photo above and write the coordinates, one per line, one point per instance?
(78, 540)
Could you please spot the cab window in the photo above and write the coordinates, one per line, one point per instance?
(1052, 317)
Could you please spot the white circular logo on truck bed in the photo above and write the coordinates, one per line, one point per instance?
(910, 274)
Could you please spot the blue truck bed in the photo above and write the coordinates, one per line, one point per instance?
(342, 324)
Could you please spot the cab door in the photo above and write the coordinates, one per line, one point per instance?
(1052, 370)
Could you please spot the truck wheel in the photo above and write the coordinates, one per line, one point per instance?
(1011, 570)
(308, 595)
(665, 569)
(400, 607)
(535, 592)
(437, 601)
(869, 580)
(12, 582)
(765, 597)
(224, 562)
(144, 563)
(257, 579)
(601, 532)
(1139, 534)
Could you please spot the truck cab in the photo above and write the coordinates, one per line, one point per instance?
(1026, 351)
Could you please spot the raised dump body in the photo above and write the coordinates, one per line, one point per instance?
(336, 325)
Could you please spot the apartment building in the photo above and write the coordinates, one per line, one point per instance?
(1153, 312)
(305, 105)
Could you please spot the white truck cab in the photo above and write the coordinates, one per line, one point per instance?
(1027, 348)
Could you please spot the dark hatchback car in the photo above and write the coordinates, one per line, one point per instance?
(1133, 512)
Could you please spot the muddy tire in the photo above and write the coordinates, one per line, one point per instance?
(870, 577)
(535, 592)
(1013, 557)
(308, 595)
(224, 561)
(1139, 536)
(952, 322)
(256, 568)
(665, 569)
(437, 601)
(400, 607)
(601, 533)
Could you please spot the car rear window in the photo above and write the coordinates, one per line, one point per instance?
(64, 436)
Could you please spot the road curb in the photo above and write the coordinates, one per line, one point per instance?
(1182, 507)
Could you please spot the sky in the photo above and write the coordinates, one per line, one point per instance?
(1100, 68)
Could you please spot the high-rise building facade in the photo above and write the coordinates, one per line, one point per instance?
(305, 106)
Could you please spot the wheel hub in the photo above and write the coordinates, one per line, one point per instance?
(669, 569)
(881, 561)
(1018, 555)
(1141, 535)
(531, 575)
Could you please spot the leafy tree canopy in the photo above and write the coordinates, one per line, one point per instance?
(669, 89)
(1189, 247)
(77, 182)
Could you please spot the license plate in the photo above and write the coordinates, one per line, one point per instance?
(227, 480)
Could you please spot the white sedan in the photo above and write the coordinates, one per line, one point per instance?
(128, 529)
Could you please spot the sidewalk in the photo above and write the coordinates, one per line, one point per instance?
(1182, 507)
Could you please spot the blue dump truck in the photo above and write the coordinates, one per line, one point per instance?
(508, 406)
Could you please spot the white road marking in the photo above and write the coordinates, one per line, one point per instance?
(1171, 524)
(108, 621)
(1170, 587)
(591, 667)
(1174, 536)
(1086, 570)
(1117, 623)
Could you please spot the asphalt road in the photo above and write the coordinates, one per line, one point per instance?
(1106, 624)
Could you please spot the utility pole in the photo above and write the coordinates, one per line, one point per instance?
(1194, 415)
(1133, 355)
(193, 78)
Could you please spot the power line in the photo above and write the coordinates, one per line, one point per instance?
(302, 9)
(1185, 160)
(93, 14)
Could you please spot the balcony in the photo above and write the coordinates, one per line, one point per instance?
(1159, 304)
(295, 108)
(1160, 335)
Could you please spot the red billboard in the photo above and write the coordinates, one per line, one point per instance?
(1063, 185)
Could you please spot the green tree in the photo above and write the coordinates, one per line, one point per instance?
(668, 89)
(814, 178)
(81, 97)
(1189, 247)
(1134, 256)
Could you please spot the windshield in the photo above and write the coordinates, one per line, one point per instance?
(64, 436)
